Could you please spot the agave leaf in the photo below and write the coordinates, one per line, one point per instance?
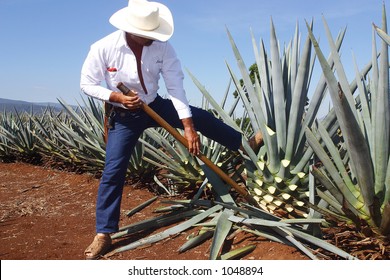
(266, 234)
(374, 87)
(161, 185)
(208, 224)
(303, 221)
(364, 101)
(382, 34)
(339, 69)
(191, 203)
(259, 222)
(298, 100)
(251, 211)
(382, 118)
(222, 229)
(385, 223)
(213, 103)
(294, 63)
(155, 222)
(168, 208)
(273, 152)
(238, 253)
(260, 100)
(387, 195)
(193, 242)
(171, 231)
(278, 92)
(141, 206)
(265, 81)
(225, 98)
(315, 229)
(218, 185)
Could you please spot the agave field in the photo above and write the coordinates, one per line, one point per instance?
(310, 175)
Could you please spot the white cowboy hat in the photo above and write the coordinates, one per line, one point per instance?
(145, 19)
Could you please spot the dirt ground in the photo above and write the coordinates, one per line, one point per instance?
(48, 214)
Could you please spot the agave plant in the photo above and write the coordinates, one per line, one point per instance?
(178, 166)
(48, 133)
(17, 134)
(275, 104)
(5, 147)
(83, 137)
(356, 174)
(5, 150)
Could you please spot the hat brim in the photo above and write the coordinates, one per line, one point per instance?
(162, 33)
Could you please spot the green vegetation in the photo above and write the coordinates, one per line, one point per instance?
(309, 172)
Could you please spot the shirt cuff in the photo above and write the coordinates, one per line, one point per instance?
(105, 94)
(184, 113)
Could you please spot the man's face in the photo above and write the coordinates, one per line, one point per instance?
(140, 40)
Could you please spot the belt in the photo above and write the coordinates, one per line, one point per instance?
(120, 110)
(123, 111)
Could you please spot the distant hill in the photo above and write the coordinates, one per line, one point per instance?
(9, 105)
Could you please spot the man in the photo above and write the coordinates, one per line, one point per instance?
(137, 54)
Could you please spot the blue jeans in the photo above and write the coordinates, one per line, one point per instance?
(122, 138)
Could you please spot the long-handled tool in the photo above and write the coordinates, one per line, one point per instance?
(126, 91)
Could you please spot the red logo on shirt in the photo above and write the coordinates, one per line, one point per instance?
(111, 69)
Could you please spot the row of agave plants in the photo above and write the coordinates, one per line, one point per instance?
(73, 138)
(308, 170)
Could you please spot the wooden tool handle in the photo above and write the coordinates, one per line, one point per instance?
(242, 191)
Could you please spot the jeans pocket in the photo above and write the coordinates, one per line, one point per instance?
(132, 119)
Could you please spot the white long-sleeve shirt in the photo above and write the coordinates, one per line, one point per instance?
(110, 60)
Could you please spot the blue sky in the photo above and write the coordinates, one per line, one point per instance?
(44, 42)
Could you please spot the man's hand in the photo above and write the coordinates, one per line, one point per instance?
(192, 136)
(130, 102)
